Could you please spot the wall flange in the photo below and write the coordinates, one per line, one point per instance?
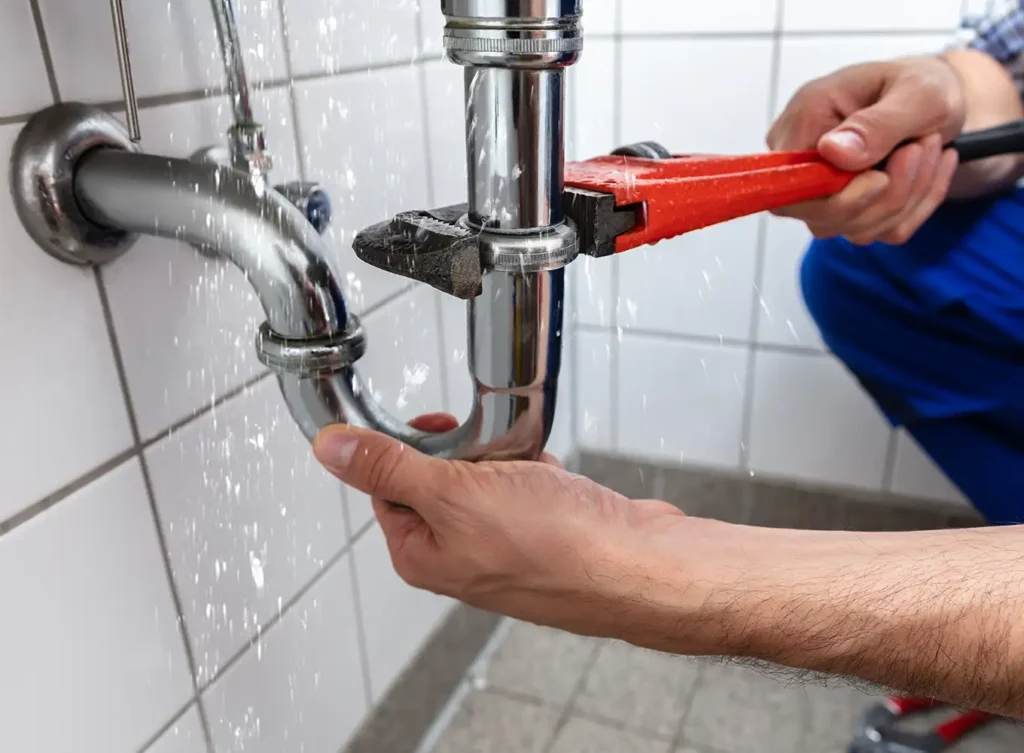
(42, 182)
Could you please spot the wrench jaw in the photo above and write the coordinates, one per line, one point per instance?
(434, 247)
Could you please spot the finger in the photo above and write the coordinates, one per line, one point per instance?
(907, 110)
(383, 467)
(435, 423)
(948, 165)
(924, 183)
(843, 207)
(548, 459)
(903, 171)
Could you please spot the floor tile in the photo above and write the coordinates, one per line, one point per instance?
(540, 663)
(741, 711)
(644, 690)
(834, 712)
(489, 723)
(586, 736)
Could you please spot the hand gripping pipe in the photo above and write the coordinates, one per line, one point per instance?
(84, 193)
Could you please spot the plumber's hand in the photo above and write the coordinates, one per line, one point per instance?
(529, 540)
(855, 117)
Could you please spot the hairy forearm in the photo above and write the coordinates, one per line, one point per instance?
(991, 99)
(939, 614)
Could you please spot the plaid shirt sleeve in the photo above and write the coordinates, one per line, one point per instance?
(998, 31)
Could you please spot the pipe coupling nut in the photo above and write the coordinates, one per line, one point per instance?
(540, 34)
(313, 357)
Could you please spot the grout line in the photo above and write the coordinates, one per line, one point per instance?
(725, 342)
(108, 319)
(285, 609)
(175, 718)
(760, 260)
(115, 349)
(567, 710)
(37, 508)
(44, 46)
(176, 598)
(361, 643)
(207, 408)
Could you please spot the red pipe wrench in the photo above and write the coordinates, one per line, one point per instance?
(642, 194)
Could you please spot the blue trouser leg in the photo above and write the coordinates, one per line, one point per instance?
(950, 371)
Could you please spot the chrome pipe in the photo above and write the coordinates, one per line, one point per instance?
(234, 65)
(515, 153)
(285, 259)
(310, 339)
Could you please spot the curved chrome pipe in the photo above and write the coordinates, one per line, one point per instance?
(515, 326)
(252, 225)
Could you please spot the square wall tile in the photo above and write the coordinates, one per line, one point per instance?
(326, 36)
(186, 324)
(803, 59)
(362, 138)
(30, 89)
(782, 317)
(249, 517)
(397, 619)
(871, 15)
(64, 373)
(595, 364)
(725, 112)
(601, 16)
(446, 112)
(402, 366)
(681, 401)
(92, 656)
(186, 736)
(173, 46)
(660, 17)
(360, 511)
(593, 131)
(701, 283)
(812, 421)
(431, 27)
(916, 475)
(300, 687)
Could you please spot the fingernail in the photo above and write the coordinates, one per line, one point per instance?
(335, 449)
(847, 140)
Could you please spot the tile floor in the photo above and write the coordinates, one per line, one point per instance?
(548, 692)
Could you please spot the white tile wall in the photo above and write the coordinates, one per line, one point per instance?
(91, 653)
(247, 519)
(185, 736)
(219, 576)
(680, 325)
(300, 687)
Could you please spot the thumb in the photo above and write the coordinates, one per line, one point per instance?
(870, 135)
(382, 467)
